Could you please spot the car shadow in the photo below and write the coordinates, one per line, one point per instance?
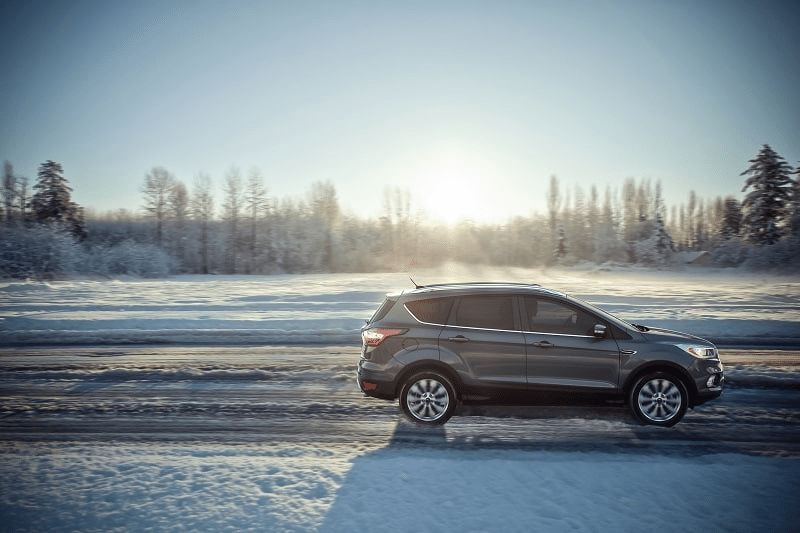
(419, 458)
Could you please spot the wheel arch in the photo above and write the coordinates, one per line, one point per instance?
(428, 365)
(667, 367)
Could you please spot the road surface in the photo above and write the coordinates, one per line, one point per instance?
(308, 396)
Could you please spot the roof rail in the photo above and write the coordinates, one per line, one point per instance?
(477, 283)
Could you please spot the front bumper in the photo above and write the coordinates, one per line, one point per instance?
(709, 386)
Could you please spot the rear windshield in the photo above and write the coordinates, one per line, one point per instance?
(431, 310)
(385, 307)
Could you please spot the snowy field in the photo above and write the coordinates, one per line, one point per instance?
(124, 486)
(730, 309)
(405, 479)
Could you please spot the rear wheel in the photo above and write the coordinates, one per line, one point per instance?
(428, 398)
(659, 399)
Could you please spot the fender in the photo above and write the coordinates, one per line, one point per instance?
(412, 354)
(452, 360)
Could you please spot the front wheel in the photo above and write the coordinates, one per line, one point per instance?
(659, 399)
(428, 398)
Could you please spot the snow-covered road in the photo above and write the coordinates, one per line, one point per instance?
(308, 395)
(280, 439)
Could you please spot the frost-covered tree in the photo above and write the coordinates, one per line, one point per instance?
(581, 243)
(553, 202)
(324, 206)
(689, 236)
(202, 210)
(52, 203)
(23, 200)
(654, 245)
(9, 192)
(731, 223)
(177, 214)
(658, 248)
(561, 249)
(794, 205)
(398, 221)
(157, 186)
(256, 206)
(39, 252)
(765, 204)
(178, 202)
(700, 232)
(630, 216)
(232, 208)
(607, 245)
(665, 246)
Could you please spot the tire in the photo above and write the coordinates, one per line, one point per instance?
(428, 398)
(659, 399)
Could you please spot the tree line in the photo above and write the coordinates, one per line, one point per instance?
(182, 229)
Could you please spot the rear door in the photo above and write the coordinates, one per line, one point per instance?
(563, 352)
(484, 335)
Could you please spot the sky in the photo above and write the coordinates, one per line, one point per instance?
(470, 106)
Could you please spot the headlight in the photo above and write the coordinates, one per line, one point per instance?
(703, 352)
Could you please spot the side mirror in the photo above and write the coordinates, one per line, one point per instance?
(600, 331)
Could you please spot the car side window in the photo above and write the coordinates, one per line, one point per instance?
(549, 316)
(431, 310)
(486, 312)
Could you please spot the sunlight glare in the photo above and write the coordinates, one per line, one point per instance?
(453, 191)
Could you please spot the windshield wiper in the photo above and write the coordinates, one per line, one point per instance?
(640, 328)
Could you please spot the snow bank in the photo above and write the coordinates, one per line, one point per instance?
(209, 487)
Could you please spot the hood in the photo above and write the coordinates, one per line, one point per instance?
(665, 335)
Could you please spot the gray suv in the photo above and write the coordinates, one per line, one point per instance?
(434, 346)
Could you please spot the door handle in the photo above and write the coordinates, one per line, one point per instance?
(544, 344)
(458, 338)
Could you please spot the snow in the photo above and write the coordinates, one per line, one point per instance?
(124, 486)
(730, 309)
(190, 484)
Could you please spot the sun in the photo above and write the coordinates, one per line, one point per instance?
(452, 191)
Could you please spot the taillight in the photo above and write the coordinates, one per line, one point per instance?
(373, 337)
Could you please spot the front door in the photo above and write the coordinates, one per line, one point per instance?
(563, 351)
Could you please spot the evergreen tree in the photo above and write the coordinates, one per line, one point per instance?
(23, 200)
(664, 244)
(765, 205)
(655, 245)
(9, 191)
(794, 205)
(689, 236)
(561, 249)
(52, 203)
(553, 199)
(731, 223)
(700, 233)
